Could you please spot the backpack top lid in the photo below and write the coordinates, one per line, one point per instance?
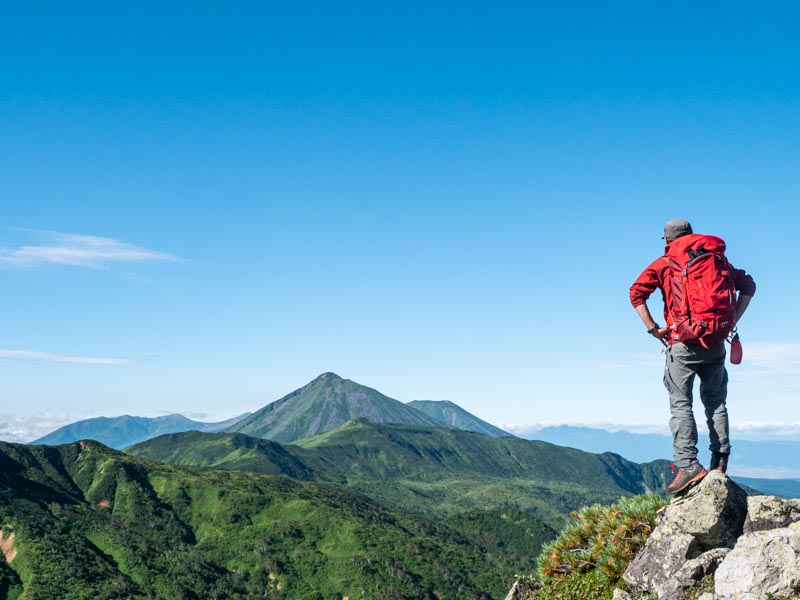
(694, 241)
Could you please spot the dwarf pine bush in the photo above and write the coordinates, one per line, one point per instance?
(600, 539)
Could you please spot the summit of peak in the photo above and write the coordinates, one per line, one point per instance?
(329, 375)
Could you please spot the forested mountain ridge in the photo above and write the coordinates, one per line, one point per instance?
(426, 470)
(85, 521)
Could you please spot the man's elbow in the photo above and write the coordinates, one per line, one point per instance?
(636, 297)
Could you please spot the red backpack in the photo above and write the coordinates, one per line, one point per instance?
(701, 300)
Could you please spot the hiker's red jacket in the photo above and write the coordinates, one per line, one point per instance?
(655, 276)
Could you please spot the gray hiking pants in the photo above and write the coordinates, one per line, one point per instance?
(683, 363)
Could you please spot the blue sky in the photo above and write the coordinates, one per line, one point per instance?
(205, 207)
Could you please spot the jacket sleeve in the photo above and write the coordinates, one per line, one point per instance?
(647, 283)
(744, 282)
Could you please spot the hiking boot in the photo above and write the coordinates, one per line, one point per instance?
(719, 461)
(686, 476)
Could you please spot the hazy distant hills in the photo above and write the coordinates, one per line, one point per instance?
(426, 470)
(325, 404)
(86, 522)
(329, 401)
(634, 446)
(121, 432)
(783, 488)
(752, 459)
(452, 415)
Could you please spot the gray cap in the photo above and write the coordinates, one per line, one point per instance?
(676, 228)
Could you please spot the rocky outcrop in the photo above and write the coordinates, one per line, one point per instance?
(692, 536)
(751, 544)
(764, 564)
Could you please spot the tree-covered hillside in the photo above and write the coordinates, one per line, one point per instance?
(84, 521)
(427, 470)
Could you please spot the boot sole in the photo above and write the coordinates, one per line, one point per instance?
(694, 479)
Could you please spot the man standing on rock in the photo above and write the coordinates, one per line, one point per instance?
(704, 297)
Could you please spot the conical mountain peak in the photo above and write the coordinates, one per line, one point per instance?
(324, 404)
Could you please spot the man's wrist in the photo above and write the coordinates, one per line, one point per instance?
(653, 329)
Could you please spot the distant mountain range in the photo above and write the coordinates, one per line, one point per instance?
(324, 404)
(749, 459)
(121, 432)
(330, 401)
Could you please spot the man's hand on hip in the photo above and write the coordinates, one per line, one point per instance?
(661, 333)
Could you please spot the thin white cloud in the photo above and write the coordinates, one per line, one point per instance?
(783, 358)
(759, 358)
(756, 430)
(78, 251)
(46, 357)
(24, 428)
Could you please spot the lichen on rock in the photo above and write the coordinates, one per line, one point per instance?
(769, 512)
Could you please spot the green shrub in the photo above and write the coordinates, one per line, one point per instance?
(576, 586)
(601, 540)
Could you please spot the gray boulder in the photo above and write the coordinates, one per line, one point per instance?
(692, 536)
(764, 564)
(769, 512)
(691, 573)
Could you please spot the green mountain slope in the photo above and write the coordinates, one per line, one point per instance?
(121, 432)
(446, 471)
(429, 470)
(227, 451)
(452, 415)
(83, 521)
(325, 404)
